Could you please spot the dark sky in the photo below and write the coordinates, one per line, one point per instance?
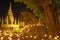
(3, 6)
(16, 7)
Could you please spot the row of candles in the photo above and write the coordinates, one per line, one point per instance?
(10, 35)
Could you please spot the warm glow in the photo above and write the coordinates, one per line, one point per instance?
(1, 38)
(35, 37)
(26, 36)
(31, 36)
(15, 27)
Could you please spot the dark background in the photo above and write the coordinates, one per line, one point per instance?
(16, 8)
(4, 5)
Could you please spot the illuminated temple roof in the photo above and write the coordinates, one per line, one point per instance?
(25, 18)
(10, 14)
(9, 20)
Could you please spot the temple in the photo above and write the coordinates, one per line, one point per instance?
(25, 18)
(10, 21)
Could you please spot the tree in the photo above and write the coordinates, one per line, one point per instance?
(53, 29)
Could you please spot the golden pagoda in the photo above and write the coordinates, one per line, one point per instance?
(10, 14)
(10, 18)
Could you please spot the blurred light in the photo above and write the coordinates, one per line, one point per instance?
(9, 38)
(1, 38)
(0, 31)
(33, 24)
(50, 36)
(8, 31)
(18, 39)
(42, 39)
(17, 35)
(55, 38)
(37, 24)
(11, 35)
(26, 36)
(35, 37)
(31, 36)
(43, 25)
(45, 35)
(22, 37)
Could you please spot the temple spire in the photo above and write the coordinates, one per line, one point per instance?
(15, 20)
(10, 14)
(10, 7)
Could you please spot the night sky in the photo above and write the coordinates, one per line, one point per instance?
(4, 7)
(16, 7)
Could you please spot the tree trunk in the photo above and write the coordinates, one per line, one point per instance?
(53, 29)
